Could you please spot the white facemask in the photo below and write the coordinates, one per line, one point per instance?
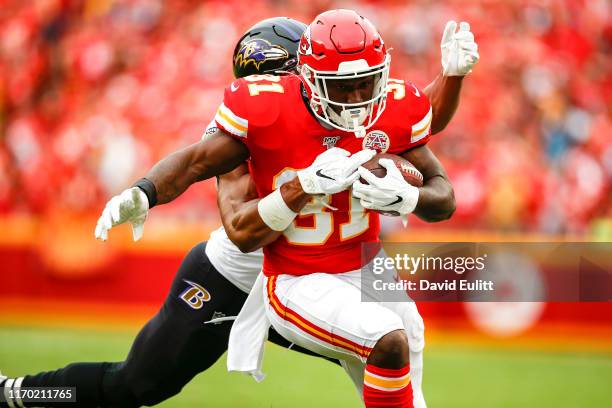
(350, 119)
(356, 117)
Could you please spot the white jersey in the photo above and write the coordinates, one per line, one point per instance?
(237, 267)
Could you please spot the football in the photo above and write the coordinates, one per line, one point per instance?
(410, 173)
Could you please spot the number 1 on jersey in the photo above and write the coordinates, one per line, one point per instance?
(256, 87)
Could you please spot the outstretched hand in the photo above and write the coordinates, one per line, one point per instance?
(459, 50)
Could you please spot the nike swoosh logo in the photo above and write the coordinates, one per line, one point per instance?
(416, 91)
(398, 200)
(318, 173)
(234, 88)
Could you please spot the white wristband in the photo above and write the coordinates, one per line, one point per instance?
(274, 211)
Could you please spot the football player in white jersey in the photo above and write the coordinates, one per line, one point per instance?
(215, 276)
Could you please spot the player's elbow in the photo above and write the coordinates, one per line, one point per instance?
(447, 209)
(240, 236)
(241, 240)
(442, 211)
(246, 247)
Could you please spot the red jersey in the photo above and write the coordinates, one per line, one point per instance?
(269, 115)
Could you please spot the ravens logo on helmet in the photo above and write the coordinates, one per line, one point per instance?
(269, 47)
(258, 51)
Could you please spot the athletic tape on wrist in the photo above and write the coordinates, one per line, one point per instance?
(149, 189)
(274, 211)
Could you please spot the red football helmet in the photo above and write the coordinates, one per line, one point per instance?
(342, 45)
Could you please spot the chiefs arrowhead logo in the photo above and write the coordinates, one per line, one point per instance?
(377, 140)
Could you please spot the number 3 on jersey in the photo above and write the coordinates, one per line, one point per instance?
(322, 219)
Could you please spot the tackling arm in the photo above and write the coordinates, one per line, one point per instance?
(237, 199)
(252, 223)
(218, 154)
(169, 178)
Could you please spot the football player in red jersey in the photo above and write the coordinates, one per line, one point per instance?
(311, 268)
(350, 105)
(142, 380)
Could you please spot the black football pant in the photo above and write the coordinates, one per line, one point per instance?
(171, 348)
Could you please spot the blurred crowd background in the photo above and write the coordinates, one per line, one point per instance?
(93, 93)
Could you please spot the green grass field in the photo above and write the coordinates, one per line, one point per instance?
(456, 375)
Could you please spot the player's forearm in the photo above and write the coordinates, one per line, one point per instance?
(217, 155)
(436, 200)
(443, 94)
(294, 195)
(248, 230)
(173, 174)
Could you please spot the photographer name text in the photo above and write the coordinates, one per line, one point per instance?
(426, 285)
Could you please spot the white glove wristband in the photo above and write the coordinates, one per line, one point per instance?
(274, 211)
(411, 199)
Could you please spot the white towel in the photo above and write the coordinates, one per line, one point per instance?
(249, 334)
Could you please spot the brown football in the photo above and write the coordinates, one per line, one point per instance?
(410, 173)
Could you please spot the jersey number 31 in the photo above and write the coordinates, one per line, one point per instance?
(323, 223)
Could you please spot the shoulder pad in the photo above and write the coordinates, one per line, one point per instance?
(258, 98)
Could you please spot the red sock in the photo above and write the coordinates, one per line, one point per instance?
(387, 388)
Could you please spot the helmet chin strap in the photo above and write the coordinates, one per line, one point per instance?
(350, 119)
(360, 132)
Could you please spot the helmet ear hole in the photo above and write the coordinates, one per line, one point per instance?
(305, 72)
(378, 43)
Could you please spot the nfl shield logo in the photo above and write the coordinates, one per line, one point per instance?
(376, 140)
(330, 141)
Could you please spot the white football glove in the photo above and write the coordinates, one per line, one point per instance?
(389, 193)
(459, 50)
(130, 206)
(333, 171)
